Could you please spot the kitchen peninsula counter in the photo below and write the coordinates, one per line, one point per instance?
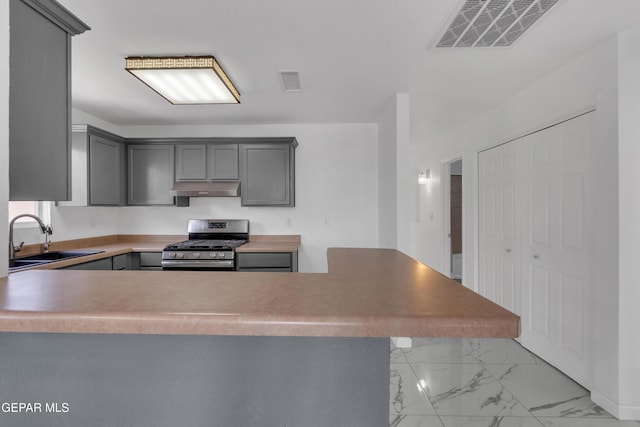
(166, 348)
(367, 292)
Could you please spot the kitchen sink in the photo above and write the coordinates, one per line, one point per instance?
(47, 257)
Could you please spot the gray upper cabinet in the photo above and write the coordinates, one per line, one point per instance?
(199, 162)
(222, 161)
(191, 162)
(40, 99)
(267, 173)
(97, 168)
(106, 170)
(150, 174)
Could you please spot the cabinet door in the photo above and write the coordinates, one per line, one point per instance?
(99, 264)
(191, 162)
(267, 261)
(106, 171)
(39, 128)
(267, 175)
(151, 174)
(222, 161)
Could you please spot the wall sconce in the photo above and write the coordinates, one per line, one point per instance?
(185, 79)
(424, 176)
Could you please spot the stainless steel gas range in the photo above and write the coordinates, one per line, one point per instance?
(211, 245)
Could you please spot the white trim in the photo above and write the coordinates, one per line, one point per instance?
(621, 412)
(445, 185)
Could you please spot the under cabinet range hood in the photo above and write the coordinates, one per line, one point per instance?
(206, 189)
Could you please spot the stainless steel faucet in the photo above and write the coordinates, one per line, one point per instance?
(45, 229)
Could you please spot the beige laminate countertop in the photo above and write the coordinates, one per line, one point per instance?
(124, 243)
(367, 292)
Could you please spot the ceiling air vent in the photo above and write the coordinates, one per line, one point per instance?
(493, 23)
(290, 81)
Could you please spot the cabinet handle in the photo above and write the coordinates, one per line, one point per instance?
(536, 256)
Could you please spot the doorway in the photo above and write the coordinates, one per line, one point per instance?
(453, 218)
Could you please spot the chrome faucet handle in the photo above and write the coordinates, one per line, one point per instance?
(47, 242)
(18, 248)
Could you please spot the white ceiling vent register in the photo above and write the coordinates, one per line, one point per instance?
(290, 81)
(493, 23)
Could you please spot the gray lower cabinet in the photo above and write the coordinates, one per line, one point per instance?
(149, 260)
(150, 174)
(267, 173)
(98, 264)
(267, 261)
(40, 99)
(125, 262)
(199, 162)
(129, 261)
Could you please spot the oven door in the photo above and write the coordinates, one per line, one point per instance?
(204, 265)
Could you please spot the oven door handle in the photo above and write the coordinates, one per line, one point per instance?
(198, 264)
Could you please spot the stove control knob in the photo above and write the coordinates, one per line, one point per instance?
(172, 254)
(180, 255)
(196, 255)
(212, 254)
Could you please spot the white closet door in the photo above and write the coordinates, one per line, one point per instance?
(555, 274)
(499, 253)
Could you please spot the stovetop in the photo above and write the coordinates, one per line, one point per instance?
(206, 244)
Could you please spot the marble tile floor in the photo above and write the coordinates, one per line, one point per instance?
(442, 382)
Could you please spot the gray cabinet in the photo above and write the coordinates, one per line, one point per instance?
(191, 162)
(199, 162)
(124, 262)
(40, 99)
(267, 261)
(150, 174)
(98, 168)
(267, 173)
(98, 264)
(222, 161)
(148, 260)
(106, 169)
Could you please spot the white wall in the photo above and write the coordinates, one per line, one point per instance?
(394, 174)
(4, 132)
(586, 81)
(629, 205)
(335, 185)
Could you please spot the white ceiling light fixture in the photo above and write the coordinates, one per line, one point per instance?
(184, 80)
(492, 23)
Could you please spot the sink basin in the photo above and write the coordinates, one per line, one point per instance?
(56, 255)
(47, 257)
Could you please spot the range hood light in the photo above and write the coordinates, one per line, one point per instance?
(206, 189)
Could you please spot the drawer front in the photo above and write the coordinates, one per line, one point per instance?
(264, 260)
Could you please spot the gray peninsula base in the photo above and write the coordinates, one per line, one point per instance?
(174, 380)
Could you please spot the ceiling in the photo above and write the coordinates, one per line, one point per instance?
(353, 57)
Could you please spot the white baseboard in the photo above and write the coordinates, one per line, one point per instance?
(621, 412)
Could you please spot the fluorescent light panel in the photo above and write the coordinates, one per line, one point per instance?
(185, 80)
